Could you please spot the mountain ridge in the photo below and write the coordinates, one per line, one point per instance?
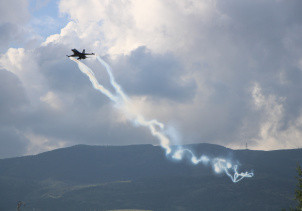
(142, 176)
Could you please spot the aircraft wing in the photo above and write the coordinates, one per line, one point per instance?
(75, 51)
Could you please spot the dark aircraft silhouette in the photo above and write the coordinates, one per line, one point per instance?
(82, 55)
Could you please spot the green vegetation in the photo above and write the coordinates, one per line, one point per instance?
(298, 192)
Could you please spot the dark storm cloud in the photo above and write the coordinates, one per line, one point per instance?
(256, 42)
(87, 116)
(144, 73)
(12, 101)
(260, 42)
(12, 98)
(13, 144)
(84, 115)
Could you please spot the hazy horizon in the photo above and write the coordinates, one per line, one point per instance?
(158, 145)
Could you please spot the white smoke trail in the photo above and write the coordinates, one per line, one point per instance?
(87, 71)
(157, 128)
(123, 103)
(219, 165)
(117, 87)
(138, 118)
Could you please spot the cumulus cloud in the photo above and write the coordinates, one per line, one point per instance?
(225, 73)
(146, 74)
(13, 15)
(60, 107)
(23, 64)
(12, 103)
(121, 26)
(271, 134)
(15, 11)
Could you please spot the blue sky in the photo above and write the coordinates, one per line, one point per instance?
(45, 17)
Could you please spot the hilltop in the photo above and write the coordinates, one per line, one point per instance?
(142, 177)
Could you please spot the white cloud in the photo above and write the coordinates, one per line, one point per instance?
(195, 69)
(211, 42)
(14, 11)
(39, 143)
(122, 26)
(23, 64)
(271, 134)
(52, 100)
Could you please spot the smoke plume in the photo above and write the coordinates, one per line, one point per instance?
(158, 129)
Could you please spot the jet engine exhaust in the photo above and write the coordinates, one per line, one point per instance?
(157, 129)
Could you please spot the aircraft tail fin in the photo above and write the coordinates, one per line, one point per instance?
(83, 51)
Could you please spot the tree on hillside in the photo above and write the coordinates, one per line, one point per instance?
(298, 192)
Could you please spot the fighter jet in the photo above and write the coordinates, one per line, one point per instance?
(82, 55)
